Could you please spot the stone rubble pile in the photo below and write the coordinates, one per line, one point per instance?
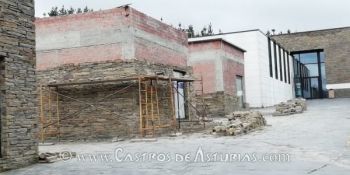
(54, 157)
(240, 122)
(290, 107)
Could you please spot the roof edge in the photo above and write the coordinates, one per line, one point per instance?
(216, 39)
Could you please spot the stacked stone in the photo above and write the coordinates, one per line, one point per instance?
(240, 122)
(18, 96)
(291, 107)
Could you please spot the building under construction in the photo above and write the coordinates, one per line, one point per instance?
(113, 73)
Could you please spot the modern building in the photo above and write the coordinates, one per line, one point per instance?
(18, 90)
(268, 67)
(321, 61)
(220, 65)
(110, 74)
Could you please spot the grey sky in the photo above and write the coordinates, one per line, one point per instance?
(230, 15)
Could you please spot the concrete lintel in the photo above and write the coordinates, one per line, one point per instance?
(338, 86)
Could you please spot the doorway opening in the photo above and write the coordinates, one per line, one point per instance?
(240, 90)
(310, 74)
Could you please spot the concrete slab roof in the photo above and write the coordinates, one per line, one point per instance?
(203, 39)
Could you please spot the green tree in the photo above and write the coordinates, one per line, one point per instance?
(190, 31)
(71, 11)
(86, 9)
(210, 30)
(53, 12)
(79, 10)
(204, 31)
(62, 11)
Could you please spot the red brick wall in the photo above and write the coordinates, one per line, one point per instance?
(231, 67)
(84, 38)
(231, 70)
(198, 47)
(174, 48)
(205, 70)
(78, 55)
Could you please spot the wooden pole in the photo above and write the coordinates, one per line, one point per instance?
(42, 114)
(140, 106)
(58, 117)
(172, 102)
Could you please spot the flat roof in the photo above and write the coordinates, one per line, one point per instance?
(311, 31)
(203, 39)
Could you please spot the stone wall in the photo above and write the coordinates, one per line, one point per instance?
(218, 104)
(116, 34)
(334, 42)
(19, 117)
(115, 116)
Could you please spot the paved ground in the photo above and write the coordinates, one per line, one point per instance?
(318, 142)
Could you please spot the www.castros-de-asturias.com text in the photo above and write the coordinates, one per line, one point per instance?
(121, 155)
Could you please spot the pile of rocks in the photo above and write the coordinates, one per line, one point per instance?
(240, 123)
(54, 157)
(290, 107)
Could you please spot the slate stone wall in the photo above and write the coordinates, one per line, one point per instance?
(103, 118)
(19, 118)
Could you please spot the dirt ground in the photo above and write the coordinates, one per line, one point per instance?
(314, 142)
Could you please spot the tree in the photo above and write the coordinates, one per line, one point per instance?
(288, 31)
(210, 30)
(86, 9)
(71, 11)
(204, 31)
(53, 12)
(180, 25)
(190, 31)
(62, 11)
(79, 10)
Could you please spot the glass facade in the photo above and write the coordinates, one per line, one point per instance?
(310, 74)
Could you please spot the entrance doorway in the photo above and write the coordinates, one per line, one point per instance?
(179, 96)
(240, 90)
(310, 74)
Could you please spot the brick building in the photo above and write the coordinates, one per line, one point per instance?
(268, 68)
(220, 64)
(84, 58)
(18, 116)
(321, 61)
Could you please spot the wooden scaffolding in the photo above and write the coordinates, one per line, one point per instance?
(150, 119)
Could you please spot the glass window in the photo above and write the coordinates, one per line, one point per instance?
(312, 70)
(270, 57)
(296, 56)
(307, 58)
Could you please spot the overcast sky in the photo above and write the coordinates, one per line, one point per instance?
(230, 15)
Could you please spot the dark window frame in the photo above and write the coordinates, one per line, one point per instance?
(284, 66)
(288, 66)
(275, 58)
(307, 74)
(280, 62)
(270, 57)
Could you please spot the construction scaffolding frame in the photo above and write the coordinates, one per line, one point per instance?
(150, 120)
